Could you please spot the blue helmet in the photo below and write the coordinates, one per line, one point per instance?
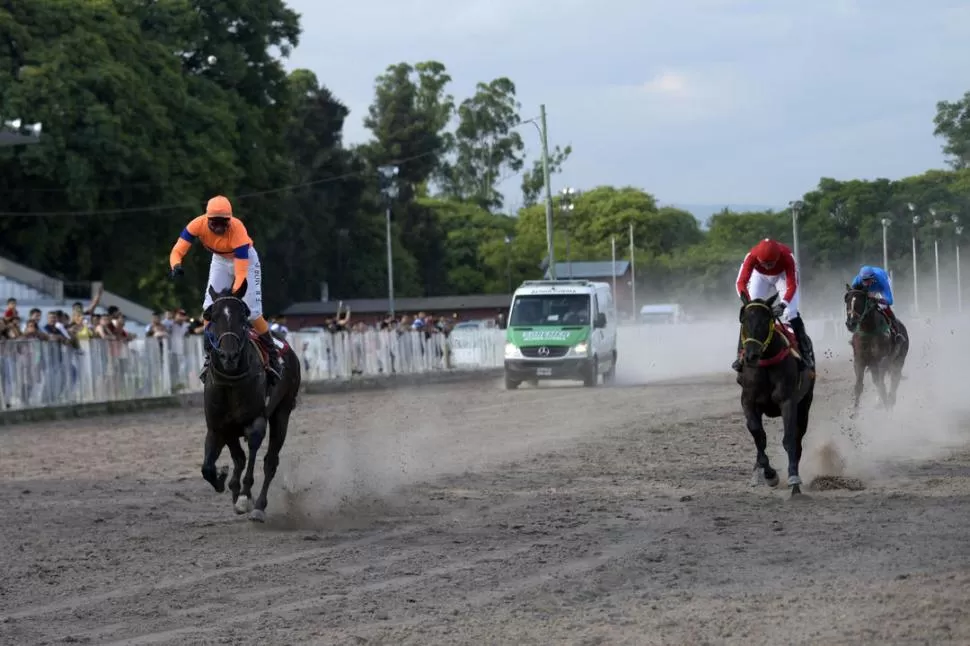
(867, 272)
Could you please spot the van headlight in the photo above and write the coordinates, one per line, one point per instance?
(512, 351)
(581, 349)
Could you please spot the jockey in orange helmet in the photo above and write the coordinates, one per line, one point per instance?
(770, 267)
(234, 260)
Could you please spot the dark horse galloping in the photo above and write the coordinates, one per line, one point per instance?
(774, 385)
(874, 346)
(236, 403)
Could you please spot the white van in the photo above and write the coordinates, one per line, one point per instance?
(665, 313)
(561, 329)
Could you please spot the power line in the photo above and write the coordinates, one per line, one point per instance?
(195, 205)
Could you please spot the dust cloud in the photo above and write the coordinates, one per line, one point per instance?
(929, 421)
(376, 443)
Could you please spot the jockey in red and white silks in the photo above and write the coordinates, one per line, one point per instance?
(768, 268)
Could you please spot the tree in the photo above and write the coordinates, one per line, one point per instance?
(952, 123)
(123, 134)
(470, 233)
(408, 117)
(487, 146)
(534, 180)
(324, 222)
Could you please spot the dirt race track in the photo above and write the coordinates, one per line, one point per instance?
(467, 515)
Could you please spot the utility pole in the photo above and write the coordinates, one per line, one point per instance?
(389, 190)
(633, 275)
(566, 206)
(548, 190)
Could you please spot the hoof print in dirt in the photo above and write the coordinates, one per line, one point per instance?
(833, 483)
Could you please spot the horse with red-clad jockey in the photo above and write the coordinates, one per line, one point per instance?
(770, 267)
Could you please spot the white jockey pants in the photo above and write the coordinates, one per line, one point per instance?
(222, 276)
(763, 286)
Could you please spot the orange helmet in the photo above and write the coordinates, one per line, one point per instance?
(218, 207)
(767, 252)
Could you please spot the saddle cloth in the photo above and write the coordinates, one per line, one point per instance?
(789, 335)
(261, 349)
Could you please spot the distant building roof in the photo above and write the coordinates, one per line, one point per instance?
(406, 305)
(590, 269)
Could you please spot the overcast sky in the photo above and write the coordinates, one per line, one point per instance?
(695, 101)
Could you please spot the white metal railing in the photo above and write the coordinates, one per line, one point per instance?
(36, 373)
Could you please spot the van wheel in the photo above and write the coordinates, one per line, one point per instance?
(609, 377)
(511, 384)
(591, 378)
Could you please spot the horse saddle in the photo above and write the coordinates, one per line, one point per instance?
(261, 349)
(789, 335)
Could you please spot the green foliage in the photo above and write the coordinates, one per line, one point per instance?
(486, 144)
(952, 123)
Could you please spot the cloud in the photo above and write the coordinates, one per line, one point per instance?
(695, 100)
(668, 84)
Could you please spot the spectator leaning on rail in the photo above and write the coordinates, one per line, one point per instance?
(770, 266)
(234, 260)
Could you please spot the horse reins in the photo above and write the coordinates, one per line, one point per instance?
(745, 339)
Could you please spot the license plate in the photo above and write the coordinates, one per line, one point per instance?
(543, 372)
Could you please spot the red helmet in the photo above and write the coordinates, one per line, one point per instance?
(767, 252)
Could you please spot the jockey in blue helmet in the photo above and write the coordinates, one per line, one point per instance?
(875, 281)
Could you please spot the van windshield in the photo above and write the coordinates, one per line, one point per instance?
(550, 309)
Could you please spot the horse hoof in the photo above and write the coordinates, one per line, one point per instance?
(257, 516)
(796, 493)
(772, 482)
(243, 505)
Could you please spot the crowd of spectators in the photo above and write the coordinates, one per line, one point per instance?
(420, 322)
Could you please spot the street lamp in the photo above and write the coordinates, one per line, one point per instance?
(544, 136)
(936, 258)
(885, 245)
(958, 229)
(912, 210)
(16, 133)
(508, 260)
(389, 190)
(796, 207)
(566, 207)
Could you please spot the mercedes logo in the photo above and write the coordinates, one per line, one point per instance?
(543, 351)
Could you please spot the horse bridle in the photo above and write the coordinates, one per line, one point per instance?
(866, 308)
(215, 341)
(745, 339)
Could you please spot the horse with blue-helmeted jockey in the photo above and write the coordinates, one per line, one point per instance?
(880, 341)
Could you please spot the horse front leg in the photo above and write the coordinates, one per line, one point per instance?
(213, 449)
(254, 435)
(860, 374)
(792, 442)
(895, 375)
(238, 462)
(878, 374)
(763, 472)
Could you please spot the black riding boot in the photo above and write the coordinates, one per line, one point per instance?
(804, 343)
(737, 366)
(275, 368)
(207, 353)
